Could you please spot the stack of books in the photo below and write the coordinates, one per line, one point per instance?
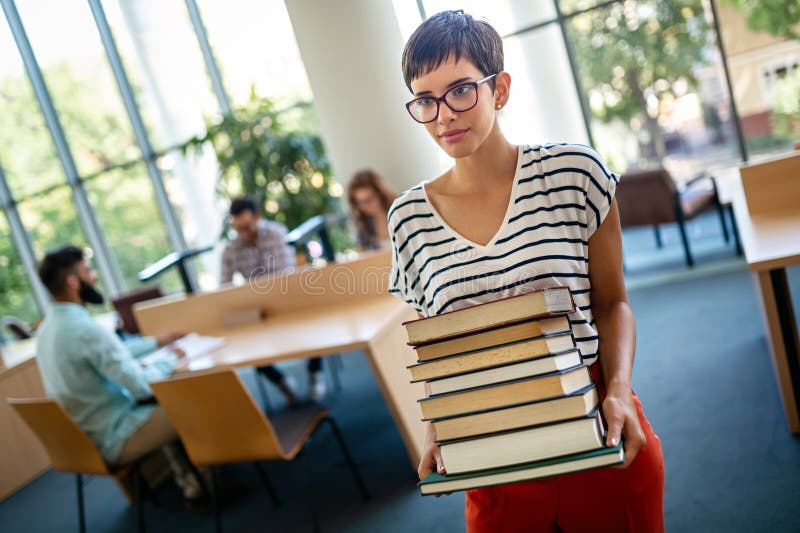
(510, 398)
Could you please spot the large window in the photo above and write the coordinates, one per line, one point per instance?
(650, 72)
(26, 150)
(101, 138)
(80, 82)
(125, 206)
(161, 53)
(113, 194)
(765, 72)
(244, 35)
(35, 180)
(17, 297)
(51, 221)
(643, 80)
(506, 16)
(164, 63)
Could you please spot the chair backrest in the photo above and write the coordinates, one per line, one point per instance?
(124, 305)
(646, 197)
(67, 446)
(17, 327)
(217, 418)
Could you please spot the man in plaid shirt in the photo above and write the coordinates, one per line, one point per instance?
(260, 249)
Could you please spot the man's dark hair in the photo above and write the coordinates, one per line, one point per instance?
(57, 265)
(456, 34)
(242, 204)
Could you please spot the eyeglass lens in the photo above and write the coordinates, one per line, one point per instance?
(459, 98)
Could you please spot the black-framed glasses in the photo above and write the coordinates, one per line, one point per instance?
(460, 98)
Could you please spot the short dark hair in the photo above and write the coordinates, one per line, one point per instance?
(242, 204)
(452, 33)
(57, 265)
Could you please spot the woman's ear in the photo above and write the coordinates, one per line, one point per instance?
(502, 88)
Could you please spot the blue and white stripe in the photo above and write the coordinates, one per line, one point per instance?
(560, 195)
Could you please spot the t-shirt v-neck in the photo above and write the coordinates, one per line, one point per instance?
(561, 194)
(509, 207)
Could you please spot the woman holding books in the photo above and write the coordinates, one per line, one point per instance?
(507, 220)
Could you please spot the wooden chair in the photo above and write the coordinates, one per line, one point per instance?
(651, 198)
(71, 451)
(220, 423)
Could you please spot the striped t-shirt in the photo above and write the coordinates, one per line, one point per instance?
(561, 194)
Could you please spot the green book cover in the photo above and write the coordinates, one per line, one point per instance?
(435, 477)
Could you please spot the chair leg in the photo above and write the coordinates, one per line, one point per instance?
(362, 487)
(312, 490)
(657, 232)
(138, 499)
(198, 475)
(333, 368)
(685, 240)
(213, 487)
(735, 230)
(262, 391)
(262, 474)
(721, 212)
(81, 510)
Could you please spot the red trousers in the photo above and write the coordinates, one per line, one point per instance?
(607, 499)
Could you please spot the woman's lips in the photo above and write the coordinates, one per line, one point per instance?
(453, 136)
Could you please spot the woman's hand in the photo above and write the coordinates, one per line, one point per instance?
(623, 420)
(431, 456)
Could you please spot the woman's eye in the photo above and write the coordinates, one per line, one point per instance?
(462, 90)
(425, 102)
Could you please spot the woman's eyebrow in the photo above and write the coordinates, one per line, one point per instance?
(452, 84)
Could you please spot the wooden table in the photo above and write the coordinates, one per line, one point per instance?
(22, 457)
(314, 312)
(766, 201)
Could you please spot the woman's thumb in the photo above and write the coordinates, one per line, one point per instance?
(439, 462)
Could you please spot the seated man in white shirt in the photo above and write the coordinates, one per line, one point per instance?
(97, 379)
(260, 249)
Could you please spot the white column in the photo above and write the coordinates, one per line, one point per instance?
(351, 50)
(544, 105)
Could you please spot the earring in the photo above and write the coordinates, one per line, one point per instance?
(499, 106)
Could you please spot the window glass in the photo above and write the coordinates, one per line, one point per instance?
(126, 209)
(16, 296)
(506, 16)
(256, 51)
(653, 81)
(765, 74)
(26, 148)
(80, 82)
(162, 57)
(52, 222)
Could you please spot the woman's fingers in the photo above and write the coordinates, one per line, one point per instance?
(437, 454)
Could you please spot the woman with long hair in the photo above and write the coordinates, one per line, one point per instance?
(369, 197)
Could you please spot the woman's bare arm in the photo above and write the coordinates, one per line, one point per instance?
(617, 332)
